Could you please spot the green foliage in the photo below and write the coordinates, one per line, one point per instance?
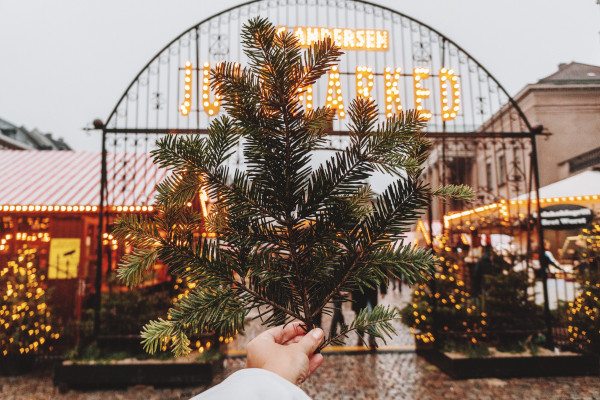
(443, 311)
(513, 316)
(470, 349)
(289, 237)
(583, 314)
(126, 312)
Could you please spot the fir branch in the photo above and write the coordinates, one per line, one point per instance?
(133, 266)
(376, 323)
(458, 192)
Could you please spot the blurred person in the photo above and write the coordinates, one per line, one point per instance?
(337, 317)
(367, 298)
(277, 362)
(484, 266)
(548, 259)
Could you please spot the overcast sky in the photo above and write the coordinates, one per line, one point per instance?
(64, 63)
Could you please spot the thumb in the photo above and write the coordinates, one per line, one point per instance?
(311, 341)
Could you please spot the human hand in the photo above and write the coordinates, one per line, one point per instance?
(287, 351)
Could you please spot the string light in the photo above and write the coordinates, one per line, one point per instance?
(210, 107)
(186, 105)
(306, 93)
(450, 108)
(392, 94)
(344, 38)
(364, 89)
(456, 316)
(335, 99)
(421, 93)
(504, 209)
(24, 313)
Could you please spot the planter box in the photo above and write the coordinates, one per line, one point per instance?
(120, 375)
(514, 366)
(16, 364)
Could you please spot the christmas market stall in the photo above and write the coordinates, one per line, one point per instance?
(566, 207)
(49, 208)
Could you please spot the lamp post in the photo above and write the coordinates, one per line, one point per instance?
(98, 124)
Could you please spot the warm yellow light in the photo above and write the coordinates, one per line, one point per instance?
(203, 202)
(210, 107)
(306, 93)
(187, 103)
(392, 93)
(336, 100)
(364, 89)
(421, 93)
(345, 38)
(449, 109)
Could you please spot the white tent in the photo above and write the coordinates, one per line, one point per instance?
(584, 184)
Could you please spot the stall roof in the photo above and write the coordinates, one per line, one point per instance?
(581, 188)
(584, 184)
(68, 178)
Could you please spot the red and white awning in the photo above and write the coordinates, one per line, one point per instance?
(72, 179)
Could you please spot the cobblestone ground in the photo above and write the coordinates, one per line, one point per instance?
(359, 377)
(344, 377)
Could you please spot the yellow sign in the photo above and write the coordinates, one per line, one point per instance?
(344, 38)
(64, 258)
(449, 90)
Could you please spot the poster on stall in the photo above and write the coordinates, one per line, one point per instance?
(64, 258)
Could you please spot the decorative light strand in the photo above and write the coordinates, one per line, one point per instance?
(210, 107)
(421, 93)
(335, 99)
(449, 84)
(392, 94)
(186, 106)
(364, 89)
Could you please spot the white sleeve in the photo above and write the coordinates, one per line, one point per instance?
(254, 384)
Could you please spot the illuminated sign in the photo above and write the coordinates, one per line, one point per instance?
(565, 216)
(421, 83)
(187, 90)
(344, 38)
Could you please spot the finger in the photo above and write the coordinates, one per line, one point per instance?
(311, 341)
(281, 334)
(314, 362)
(293, 340)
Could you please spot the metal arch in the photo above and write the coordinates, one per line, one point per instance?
(169, 45)
(444, 37)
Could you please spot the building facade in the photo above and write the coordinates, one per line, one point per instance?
(566, 104)
(13, 137)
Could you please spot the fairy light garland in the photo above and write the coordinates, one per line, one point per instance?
(24, 314)
(455, 311)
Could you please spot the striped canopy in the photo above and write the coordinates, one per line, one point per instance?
(67, 178)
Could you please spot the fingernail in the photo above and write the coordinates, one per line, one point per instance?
(317, 333)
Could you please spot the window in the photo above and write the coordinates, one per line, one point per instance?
(11, 133)
(489, 176)
(501, 170)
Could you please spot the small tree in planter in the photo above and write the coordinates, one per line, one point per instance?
(514, 320)
(583, 314)
(25, 319)
(289, 238)
(443, 310)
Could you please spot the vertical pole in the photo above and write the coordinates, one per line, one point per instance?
(99, 252)
(540, 230)
(432, 285)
